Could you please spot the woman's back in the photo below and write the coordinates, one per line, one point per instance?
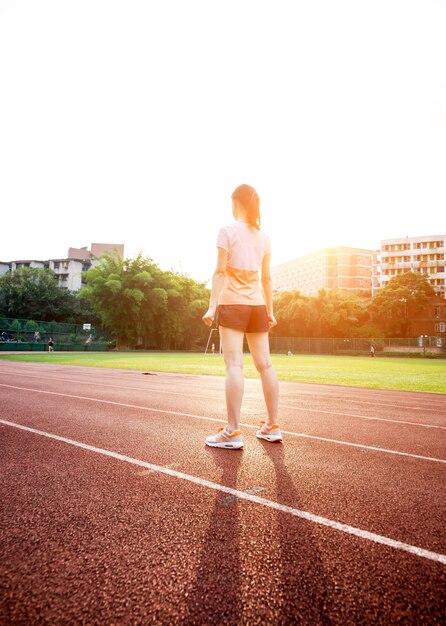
(246, 247)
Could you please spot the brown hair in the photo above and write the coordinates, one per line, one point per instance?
(248, 198)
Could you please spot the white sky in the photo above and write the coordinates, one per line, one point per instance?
(132, 122)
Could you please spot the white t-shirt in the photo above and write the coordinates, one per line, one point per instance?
(246, 247)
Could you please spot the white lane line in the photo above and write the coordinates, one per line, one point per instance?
(223, 421)
(242, 495)
(202, 396)
(364, 417)
(388, 405)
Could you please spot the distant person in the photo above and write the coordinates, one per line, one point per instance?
(36, 337)
(87, 342)
(372, 351)
(289, 353)
(213, 348)
(50, 344)
(245, 305)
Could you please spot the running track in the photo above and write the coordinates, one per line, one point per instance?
(114, 512)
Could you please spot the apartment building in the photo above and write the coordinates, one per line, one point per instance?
(426, 255)
(341, 267)
(68, 270)
(430, 321)
(4, 267)
(84, 254)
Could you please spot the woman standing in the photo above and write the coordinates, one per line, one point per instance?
(245, 305)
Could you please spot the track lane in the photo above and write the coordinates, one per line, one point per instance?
(331, 479)
(333, 426)
(180, 414)
(158, 549)
(308, 393)
(175, 553)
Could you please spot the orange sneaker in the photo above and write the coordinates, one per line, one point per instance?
(224, 439)
(270, 433)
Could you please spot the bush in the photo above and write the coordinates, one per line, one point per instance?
(15, 326)
(31, 326)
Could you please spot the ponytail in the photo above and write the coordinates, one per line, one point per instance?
(248, 198)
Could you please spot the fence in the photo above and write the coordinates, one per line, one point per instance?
(20, 334)
(358, 345)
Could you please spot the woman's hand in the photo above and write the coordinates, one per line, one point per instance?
(208, 317)
(271, 321)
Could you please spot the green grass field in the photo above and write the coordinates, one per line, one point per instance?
(378, 373)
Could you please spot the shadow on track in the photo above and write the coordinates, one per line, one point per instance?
(215, 596)
(304, 586)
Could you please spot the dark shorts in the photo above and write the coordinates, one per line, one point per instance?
(244, 317)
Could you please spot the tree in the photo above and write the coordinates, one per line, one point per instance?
(31, 293)
(339, 313)
(31, 326)
(392, 307)
(144, 306)
(15, 326)
(293, 313)
(334, 313)
(180, 325)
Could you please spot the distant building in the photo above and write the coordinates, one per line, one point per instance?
(430, 321)
(331, 268)
(68, 270)
(425, 255)
(15, 265)
(4, 268)
(96, 250)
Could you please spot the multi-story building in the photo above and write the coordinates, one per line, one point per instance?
(431, 320)
(15, 265)
(331, 268)
(68, 270)
(4, 267)
(425, 255)
(83, 254)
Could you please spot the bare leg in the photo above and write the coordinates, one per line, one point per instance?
(259, 348)
(232, 343)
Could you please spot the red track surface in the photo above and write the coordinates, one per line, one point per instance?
(94, 539)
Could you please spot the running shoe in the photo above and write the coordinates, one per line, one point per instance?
(270, 433)
(224, 439)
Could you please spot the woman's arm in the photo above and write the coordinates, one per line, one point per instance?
(217, 285)
(267, 285)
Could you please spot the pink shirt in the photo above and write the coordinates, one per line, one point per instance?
(246, 246)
